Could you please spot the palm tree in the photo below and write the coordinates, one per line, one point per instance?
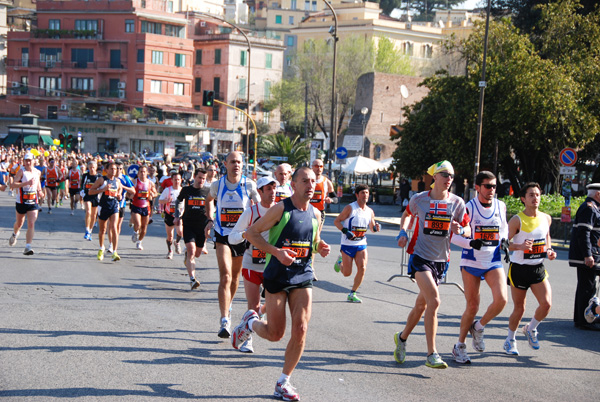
(281, 145)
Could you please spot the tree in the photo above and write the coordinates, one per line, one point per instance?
(390, 60)
(297, 151)
(425, 8)
(387, 6)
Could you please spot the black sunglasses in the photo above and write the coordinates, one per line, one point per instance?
(446, 175)
(489, 186)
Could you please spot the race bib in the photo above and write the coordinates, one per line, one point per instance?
(230, 216)
(258, 256)
(489, 235)
(538, 250)
(195, 201)
(437, 225)
(358, 232)
(29, 197)
(302, 249)
(316, 197)
(142, 195)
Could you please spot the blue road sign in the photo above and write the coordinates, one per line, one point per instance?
(568, 157)
(341, 153)
(133, 170)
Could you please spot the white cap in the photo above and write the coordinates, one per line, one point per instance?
(263, 181)
(28, 155)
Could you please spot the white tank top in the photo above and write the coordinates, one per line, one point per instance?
(357, 223)
(230, 205)
(254, 259)
(535, 229)
(28, 194)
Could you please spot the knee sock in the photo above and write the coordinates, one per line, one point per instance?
(177, 239)
(169, 245)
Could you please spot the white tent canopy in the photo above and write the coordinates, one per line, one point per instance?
(362, 165)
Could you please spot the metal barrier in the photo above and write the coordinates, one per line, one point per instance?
(404, 268)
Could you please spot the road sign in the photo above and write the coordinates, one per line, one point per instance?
(133, 170)
(279, 158)
(568, 170)
(568, 157)
(341, 153)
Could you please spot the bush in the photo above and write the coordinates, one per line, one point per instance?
(550, 203)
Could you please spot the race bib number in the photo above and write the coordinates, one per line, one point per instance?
(489, 235)
(318, 194)
(437, 225)
(196, 201)
(88, 185)
(258, 256)
(358, 232)
(229, 216)
(29, 197)
(111, 192)
(538, 250)
(301, 248)
(143, 195)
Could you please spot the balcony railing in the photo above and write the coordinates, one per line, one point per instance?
(48, 64)
(67, 34)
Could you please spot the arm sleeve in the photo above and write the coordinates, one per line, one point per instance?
(504, 224)
(235, 237)
(461, 241)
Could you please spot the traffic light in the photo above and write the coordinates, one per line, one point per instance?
(70, 141)
(61, 138)
(208, 98)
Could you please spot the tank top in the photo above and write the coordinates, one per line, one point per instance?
(489, 225)
(52, 176)
(295, 231)
(535, 229)
(88, 182)
(318, 199)
(74, 176)
(110, 193)
(358, 223)
(254, 259)
(28, 194)
(230, 205)
(283, 192)
(170, 208)
(142, 192)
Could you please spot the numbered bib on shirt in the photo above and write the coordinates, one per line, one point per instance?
(489, 235)
(230, 216)
(437, 225)
(258, 256)
(538, 250)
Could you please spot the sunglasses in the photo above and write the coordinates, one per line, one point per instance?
(489, 186)
(446, 175)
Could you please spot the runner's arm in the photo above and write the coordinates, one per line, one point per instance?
(237, 233)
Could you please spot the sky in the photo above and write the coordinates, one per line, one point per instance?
(469, 4)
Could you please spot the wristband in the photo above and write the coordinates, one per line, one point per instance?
(344, 230)
(549, 249)
(461, 231)
(402, 234)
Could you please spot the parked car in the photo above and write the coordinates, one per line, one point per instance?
(199, 156)
(154, 157)
(260, 172)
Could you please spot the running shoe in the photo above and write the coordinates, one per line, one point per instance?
(510, 347)
(100, 255)
(150, 221)
(338, 264)
(478, 342)
(286, 392)
(194, 284)
(177, 248)
(170, 255)
(134, 237)
(72, 212)
(115, 257)
(225, 331)
(400, 351)
(247, 346)
(28, 250)
(13, 239)
(85, 236)
(242, 331)
(49, 210)
(435, 361)
(460, 354)
(138, 245)
(352, 298)
(531, 337)
(590, 311)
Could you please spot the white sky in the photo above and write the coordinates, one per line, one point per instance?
(469, 4)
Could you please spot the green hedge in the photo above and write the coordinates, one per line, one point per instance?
(551, 204)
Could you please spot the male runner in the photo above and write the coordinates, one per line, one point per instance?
(482, 260)
(74, 180)
(140, 206)
(53, 177)
(293, 227)
(529, 231)
(254, 259)
(195, 221)
(324, 191)
(90, 201)
(233, 193)
(29, 191)
(283, 174)
(128, 191)
(62, 183)
(168, 200)
(353, 222)
(440, 214)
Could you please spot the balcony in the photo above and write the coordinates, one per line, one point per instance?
(64, 64)
(36, 92)
(67, 34)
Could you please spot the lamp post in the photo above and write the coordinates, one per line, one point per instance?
(332, 122)
(364, 112)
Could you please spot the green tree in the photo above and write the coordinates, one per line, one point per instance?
(425, 9)
(296, 150)
(387, 6)
(390, 60)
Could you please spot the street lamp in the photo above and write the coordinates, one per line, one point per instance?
(333, 130)
(364, 112)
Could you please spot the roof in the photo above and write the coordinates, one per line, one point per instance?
(176, 109)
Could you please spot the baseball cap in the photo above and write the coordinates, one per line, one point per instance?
(263, 181)
(28, 155)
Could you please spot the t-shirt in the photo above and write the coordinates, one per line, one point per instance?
(194, 209)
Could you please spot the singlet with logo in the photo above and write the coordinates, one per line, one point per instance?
(433, 224)
(358, 223)
(52, 177)
(283, 191)
(14, 168)
(74, 177)
(28, 195)
(318, 199)
(230, 204)
(535, 229)
(110, 193)
(170, 207)
(88, 182)
(295, 231)
(194, 212)
(489, 225)
(142, 192)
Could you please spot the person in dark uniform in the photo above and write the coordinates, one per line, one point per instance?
(293, 226)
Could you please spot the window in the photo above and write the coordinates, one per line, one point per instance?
(293, 5)
(217, 56)
(215, 112)
(81, 57)
(140, 85)
(52, 112)
(179, 60)
(266, 116)
(54, 24)
(84, 84)
(288, 60)
(268, 60)
(278, 19)
(86, 25)
(50, 54)
(140, 56)
(151, 27)
(314, 6)
(290, 41)
(267, 90)
(155, 86)
(408, 48)
(243, 58)
(242, 88)
(129, 26)
(197, 84)
(199, 56)
(428, 51)
(291, 20)
(51, 85)
(175, 30)
(217, 87)
(306, 5)
(178, 88)
(157, 57)
(169, 6)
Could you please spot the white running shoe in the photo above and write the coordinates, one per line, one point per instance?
(531, 337)
(170, 255)
(510, 347)
(590, 311)
(478, 342)
(138, 245)
(460, 354)
(177, 248)
(225, 331)
(286, 392)
(28, 250)
(242, 331)
(110, 249)
(247, 346)
(13, 239)
(134, 237)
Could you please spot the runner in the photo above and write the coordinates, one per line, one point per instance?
(481, 260)
(293, 238)
(29, 191)
(140, 206)
(62, 185)
(195, 222)
(128, 191)
(253, 262)
(74, 182)
(529, 231)
(353, 222)
(233, 193)
(440, 213)
(90, 201)
(324, 191)
(283, 173)
(168, 200)
(52, 176)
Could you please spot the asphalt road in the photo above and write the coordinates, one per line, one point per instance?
(73, 327)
